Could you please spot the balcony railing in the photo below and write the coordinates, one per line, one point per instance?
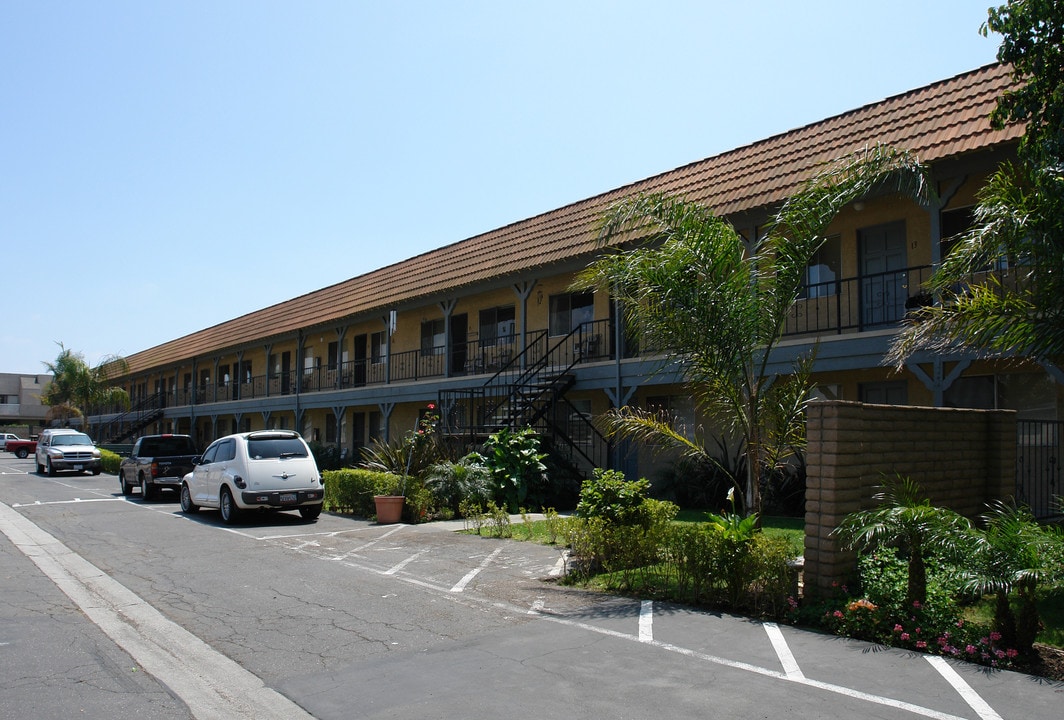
(846, 305)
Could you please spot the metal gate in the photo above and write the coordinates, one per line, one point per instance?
(1038, 463)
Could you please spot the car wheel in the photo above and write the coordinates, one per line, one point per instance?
(127, 489)
(22, 453)
(96, 471)
(48, 467)
(311, 512)
(227, 506)
(147, 491)
(187, 506)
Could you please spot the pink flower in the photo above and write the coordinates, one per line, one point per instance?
(995, 636)
(837, 613)
(1012, 652)
(921, 644)
(898, 628)
(916, 604)
(917, 631)
(970, 649)
(905, 636)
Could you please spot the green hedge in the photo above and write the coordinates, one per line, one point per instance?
(351, 490)
(111, 461)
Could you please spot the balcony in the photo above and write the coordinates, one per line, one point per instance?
(843, 306)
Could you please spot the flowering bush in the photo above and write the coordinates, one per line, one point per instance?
(936, 626)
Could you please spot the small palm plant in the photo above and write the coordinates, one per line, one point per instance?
(469, 480)
(908, 521)
(1012, 552)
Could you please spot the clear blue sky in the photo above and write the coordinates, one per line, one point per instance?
(166, 166)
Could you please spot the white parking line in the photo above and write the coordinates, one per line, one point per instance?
(963, 689)
(474, 572)
(396, 568)
(783, 651)
(209, 683)
(646, 621)
(66, 502)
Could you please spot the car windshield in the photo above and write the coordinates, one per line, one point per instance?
(72, 439)
(275, 447)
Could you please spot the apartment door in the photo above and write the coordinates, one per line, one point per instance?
(286, 372)
(359, 378)
(459, 342)
(884, 280)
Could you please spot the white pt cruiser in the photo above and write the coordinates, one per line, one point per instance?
(267, 469)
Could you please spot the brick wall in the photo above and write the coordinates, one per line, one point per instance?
(961, 458)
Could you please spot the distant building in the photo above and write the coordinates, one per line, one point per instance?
(20, 399)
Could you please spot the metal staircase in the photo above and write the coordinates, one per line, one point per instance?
(125, 426)
(530, 391)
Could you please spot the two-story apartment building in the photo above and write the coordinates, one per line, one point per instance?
(489, 328)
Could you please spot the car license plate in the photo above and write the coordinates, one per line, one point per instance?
(77, 468)
(289, 498)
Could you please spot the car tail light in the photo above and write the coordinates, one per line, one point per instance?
(239, 482)
(155, 470)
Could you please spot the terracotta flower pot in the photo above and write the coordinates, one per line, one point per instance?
(389, 508)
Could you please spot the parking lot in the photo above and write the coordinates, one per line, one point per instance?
(452, 619)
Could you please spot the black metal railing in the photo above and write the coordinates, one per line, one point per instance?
(1038, 460)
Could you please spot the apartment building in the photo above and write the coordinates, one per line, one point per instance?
(20, 399)
(488, 328)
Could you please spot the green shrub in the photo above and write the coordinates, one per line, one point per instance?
(111, 461)
(451, 483)
(517, 466)
(351, 490)
(607, 495)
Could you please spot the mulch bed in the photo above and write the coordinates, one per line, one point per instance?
(1048, 663)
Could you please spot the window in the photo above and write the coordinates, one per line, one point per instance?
(432, 337)
(954, 223)
(377, 347)
(310, 363)
(884, 393)
(245, 368)
(568, 311)
(679, 410)
(823, 271)
(271, 446)
(334, 356)
(979, 392)
(497, 326)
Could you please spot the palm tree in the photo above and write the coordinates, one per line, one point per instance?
(1019, 220)
(1017, 226)
(77, 388)
(906, 520)
(1014, 553)
(717, 304)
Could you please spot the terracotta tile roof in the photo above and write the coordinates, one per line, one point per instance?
(942, 120)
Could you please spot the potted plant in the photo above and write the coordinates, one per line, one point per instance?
(414, 451)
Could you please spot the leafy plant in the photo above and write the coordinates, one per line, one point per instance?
(517, 467)
(908, 521)
(468, 479)
(610, 496)
(1012, 553)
